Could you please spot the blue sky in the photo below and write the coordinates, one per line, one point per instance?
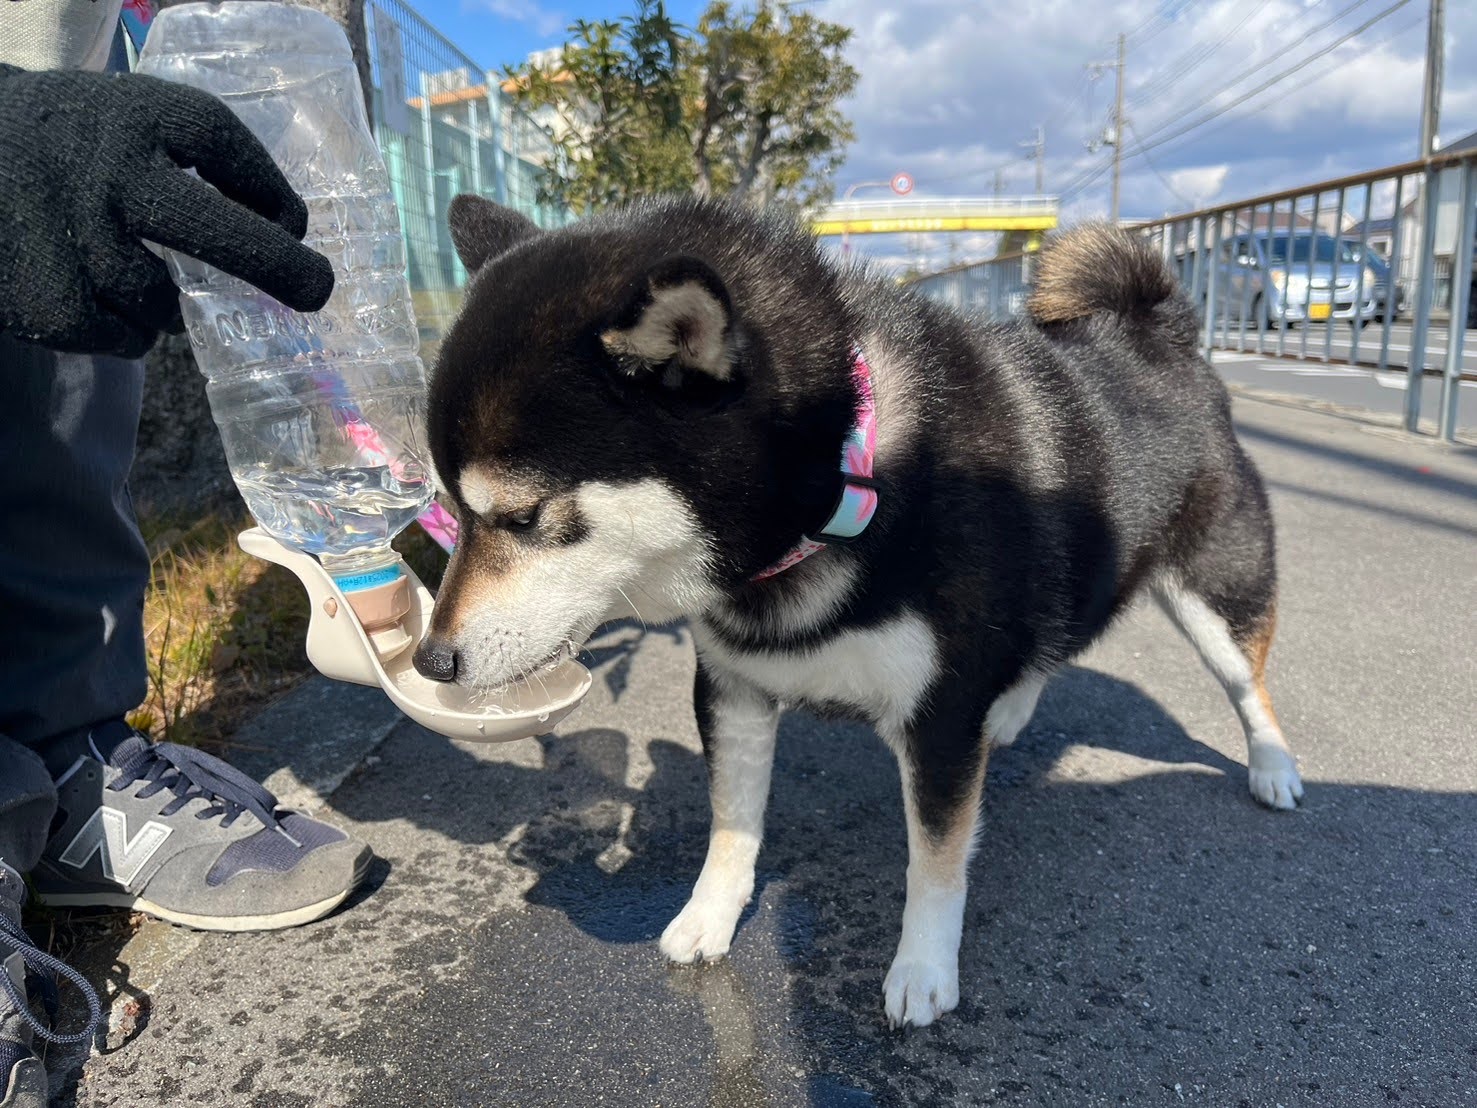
(950, 88)
(499, 31)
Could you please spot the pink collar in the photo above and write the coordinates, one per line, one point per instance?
(858, 501)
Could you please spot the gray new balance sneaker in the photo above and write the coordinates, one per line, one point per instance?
(181, 835)
(23, 969)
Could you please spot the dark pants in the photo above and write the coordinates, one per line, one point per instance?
(73, 569)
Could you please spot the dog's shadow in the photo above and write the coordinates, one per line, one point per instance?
(832, 781)
(1135, 921)
(1142, 916)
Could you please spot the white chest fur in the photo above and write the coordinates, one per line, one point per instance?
(883, 671)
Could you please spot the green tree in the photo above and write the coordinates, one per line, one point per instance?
(614, 106)
(746, 105)
(766, 122)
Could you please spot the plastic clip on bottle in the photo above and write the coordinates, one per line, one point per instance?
(321, 415)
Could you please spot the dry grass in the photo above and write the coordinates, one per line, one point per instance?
(224, 631)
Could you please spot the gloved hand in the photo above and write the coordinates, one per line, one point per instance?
(90, 165)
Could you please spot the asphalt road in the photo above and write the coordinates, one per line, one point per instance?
(1350, 387)
(1139, 932)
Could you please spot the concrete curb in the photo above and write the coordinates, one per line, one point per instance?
(1380, 423)
(304, 745)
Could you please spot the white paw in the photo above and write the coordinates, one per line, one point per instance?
(702, 930)
(918, 993)
(1013, 709)
(1274, 777)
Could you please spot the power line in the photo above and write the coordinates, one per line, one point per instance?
(1196, 55)
(1165, 181)
(1300, 85)
(1158, 138)
(1156, 14)
(1093, 174)
(1251, 71)
(1163, 18)
(1084, 178)
(1286, 49)
(1084, 85)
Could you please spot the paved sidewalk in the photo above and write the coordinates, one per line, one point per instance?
(1139, 932)
(1381, 395)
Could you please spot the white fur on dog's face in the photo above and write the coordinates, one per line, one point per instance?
(642, 555)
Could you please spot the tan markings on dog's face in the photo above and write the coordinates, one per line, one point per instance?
(479, 491)
(512, 597)
(493, 493)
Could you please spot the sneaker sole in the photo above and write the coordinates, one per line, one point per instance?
(277, 921)
(274, 922)
(25, 1086)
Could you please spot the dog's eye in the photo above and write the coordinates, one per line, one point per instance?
(522, 519)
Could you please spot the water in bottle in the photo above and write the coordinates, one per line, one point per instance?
(321, 414)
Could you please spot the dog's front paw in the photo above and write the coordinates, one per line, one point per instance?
(1273, 777)
(918, 992)
(702, 930)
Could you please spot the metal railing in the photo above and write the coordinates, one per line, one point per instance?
(945, 206)
(445, 127)
(1329, 272)
(994, 290)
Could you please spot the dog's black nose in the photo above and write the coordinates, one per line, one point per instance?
(435, 660)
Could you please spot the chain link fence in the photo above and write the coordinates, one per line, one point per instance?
(446, 126)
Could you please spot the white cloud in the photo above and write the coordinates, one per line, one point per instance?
(529, 12)
(949, 88)
(1198, 185)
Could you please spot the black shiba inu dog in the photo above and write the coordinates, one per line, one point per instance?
(863, 501)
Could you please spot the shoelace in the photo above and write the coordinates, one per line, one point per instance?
(189, 774)
(40, 962)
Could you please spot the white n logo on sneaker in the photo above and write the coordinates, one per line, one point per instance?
(122, 857)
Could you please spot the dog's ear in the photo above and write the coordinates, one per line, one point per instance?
(481, 229)
(678, 321)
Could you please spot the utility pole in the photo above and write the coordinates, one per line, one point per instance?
(1037, 147)
(1425, 226)
(1435, 66)
(1113, 135)
(999, 181)
(1118, 131)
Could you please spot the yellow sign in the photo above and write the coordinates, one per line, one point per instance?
(1041, 222)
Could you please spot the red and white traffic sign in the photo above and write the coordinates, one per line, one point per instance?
(902, 183)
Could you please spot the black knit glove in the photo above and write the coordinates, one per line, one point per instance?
(92, 164)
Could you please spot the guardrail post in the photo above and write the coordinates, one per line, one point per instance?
(1461, 287)
(1213, 259)
(1282, 323)
(1313, 232)
(1396, 246)
(1421, 323)
(1359, 281)
(1333, 280)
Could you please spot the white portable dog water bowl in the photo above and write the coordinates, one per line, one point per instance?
(339, 648)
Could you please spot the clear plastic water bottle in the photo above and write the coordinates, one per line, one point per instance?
(321, 414)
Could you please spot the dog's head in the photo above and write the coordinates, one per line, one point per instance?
(611, 429)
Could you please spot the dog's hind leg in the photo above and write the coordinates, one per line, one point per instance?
(942, 761)
(1013, 708)
(738, 724)
(1224, 599)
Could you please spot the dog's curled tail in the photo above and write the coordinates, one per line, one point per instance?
(1101, 268)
